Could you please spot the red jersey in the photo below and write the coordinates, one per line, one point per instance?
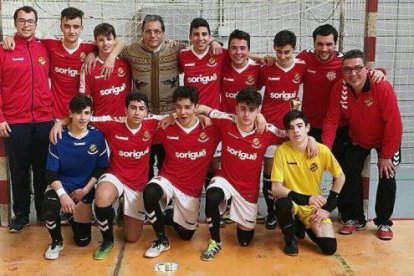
(373, 116)
(233, 80)
(204, 73)
(281, 86)
(129, 159)
(65, 65)
(188, 154)
(317, 84)
(243, 153)
(108, 95)
(25, 96)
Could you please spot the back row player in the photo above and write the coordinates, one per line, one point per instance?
(66, 58)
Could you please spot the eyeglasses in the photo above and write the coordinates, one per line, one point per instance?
(29, 22)
(357, 69)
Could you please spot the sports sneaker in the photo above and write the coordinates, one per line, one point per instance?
(226, 217)
(270, 222)
(212, 249)
(157, 247)
(384, 232)
(18, 222)
(291, 248)
(351, 226)
(103, 250)
(52, 253)
(260, 219)
(222, 222)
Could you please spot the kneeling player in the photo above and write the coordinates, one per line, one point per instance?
(238, 178)
(296, 186)
(73, 166)
(189, 149)
(130, 144)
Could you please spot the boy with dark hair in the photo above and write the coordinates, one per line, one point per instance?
(130, 143)
(189, 149)
(282, 82)
(296, 187)
(238, 177)
(242, 72)
(201, 69)
(108, 94)
(73, 167)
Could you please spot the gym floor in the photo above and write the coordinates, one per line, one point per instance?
(359, 254)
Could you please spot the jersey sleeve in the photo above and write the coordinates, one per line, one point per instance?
(103, 161)
(180, 61)
(392, 121)
(279, 133)
(85, 83)
(331, 164)
(262, 77)
(53, 160)
(103, 123)
(2, 53)
(220, 118)
(278, 166)
(333, 115)
(124, 53)
(159, 136)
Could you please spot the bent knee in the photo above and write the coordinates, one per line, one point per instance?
(104, 196)
(327, 245)
(132, 238)
(244, 236)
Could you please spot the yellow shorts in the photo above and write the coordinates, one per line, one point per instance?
(304, 212)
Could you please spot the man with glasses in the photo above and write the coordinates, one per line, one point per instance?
(25, 115)
(371, 111)
(154, 72)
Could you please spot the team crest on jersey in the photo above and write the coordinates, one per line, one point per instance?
(297, 78)
(369, 101)
(82, 56)
(256, 143)
(212, 62)
(203, 137)
(331, 75)
(121, 72)
(146, 136)
(42, 60)
(250, 80)
(93, 149)
(313, 167)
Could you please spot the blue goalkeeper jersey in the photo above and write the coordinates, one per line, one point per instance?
(74, 160)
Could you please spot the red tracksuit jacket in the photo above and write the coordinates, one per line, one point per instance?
(25, 94)
(373, 116)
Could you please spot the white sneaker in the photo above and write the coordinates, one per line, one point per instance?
(52, 253)
(157, 247)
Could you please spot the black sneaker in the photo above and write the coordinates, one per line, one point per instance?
(270, 222)
(222, 222)
(291, 248)
(18, 222)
